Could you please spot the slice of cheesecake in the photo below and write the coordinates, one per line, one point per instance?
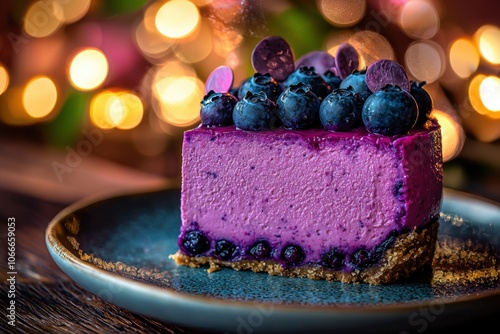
(347, 206)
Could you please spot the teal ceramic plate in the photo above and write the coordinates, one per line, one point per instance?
(118, 248)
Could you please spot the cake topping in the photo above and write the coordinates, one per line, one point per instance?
(217, 108)
(356, 81)
(308, 76)
(386, 72)
(341, 110)
(320, 60)
(220, 80)
(331, 79)
(424, 101)
(273, 55)
(295, 91)
(261, 82)
(390, 111)
(298, 107)
(346, 60)
(255, 112)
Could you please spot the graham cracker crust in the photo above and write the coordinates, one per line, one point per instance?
(410, 252)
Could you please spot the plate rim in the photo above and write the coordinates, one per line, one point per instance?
(59, 251)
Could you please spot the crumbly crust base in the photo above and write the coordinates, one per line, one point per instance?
(456, 262)
(410, 252)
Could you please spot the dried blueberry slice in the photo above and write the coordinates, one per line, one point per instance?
(346, 60)
(273, 55)
(220, 80)
(320, 60)
(386, 72)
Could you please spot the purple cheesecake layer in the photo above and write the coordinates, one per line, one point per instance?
(312, 188)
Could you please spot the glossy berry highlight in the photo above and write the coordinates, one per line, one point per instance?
(195, 243)
(217, 109)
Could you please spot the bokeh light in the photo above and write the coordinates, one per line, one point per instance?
(464, 58)
(371, 46)
(488, 40)
(419, 19)
(489, 90)
(43, 18)
(342, 13)
(73, 10)
(88, 69)
(197, 48)
(116, 108)
(4, 79)
(177, 18)
(452, 133)
(425, 60)
(39, 97)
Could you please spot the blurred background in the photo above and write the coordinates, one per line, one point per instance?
(95, 94)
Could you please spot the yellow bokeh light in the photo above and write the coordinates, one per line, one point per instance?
(43, 18)
(453, 136)
(474, 95)
(464, 58)
(73, 10)
(116, 108)
(177, 18)
(342, 13)
(488, 40)
(39, 97)
(478, 99)
(88, 69)
(419, 19)
(489, 91)
(98, 107)
(4, 79)
(371, 46)
(179, 99)
(425, 60)
(132, 110)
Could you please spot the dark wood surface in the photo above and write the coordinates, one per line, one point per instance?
(48, 301)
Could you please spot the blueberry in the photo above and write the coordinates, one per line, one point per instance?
(384, 246)
(298, 107)
(292, 255)
(390, 111)
(332, 80)
(224, 249)
(261, 250)
(255, 112)
(217, 108)
(424, 101)
(341, 110)
(308, 76)
(261, 82)
(357, 81)
(361, 259)
(333, 259)
(195, 243)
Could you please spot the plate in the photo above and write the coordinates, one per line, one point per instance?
(117, 248)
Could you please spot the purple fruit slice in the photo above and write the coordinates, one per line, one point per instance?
(346, 60)
(386, 72)
(220, 80)
(320, 60)
(273, 55)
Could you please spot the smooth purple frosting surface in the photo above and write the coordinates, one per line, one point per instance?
(314, 188)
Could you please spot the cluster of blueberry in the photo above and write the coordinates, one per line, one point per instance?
(195, 243)
(314, 95)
